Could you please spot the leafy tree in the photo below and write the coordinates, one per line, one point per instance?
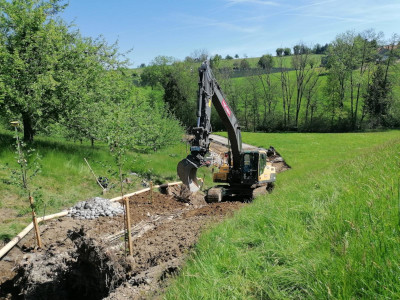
(266, 62)
(228, 57)
(236, 55)
(116, 88)
(244, 64)
(215, 60)
(287, 51)
(46, 69)
(155, 73)
(377, 98)
(351, 58)
(180, 87)
(142, 65)
(279, 51)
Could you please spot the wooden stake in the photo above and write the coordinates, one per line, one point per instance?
(128, 225)
(151, 192)
(35, 224)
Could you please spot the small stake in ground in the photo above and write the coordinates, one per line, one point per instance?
(151, 192)
(128, 225)
(35, 223)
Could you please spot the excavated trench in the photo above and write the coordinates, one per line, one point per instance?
(85, 258)
(88, 272)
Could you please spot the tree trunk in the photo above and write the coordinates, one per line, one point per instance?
(28, 129)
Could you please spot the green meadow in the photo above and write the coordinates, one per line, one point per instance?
(329, 230)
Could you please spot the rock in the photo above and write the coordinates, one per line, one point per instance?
(7, 258)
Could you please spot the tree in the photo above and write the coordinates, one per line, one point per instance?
(279, 51)
(215, 60)
(46, 69)
(228, 57)
(155, 73)
(236, 55)
(180, 92)
(244, 64)
(378, 97)
(287, 89)
(350, 62)
(305, 71)
(200, 55)
(266, 62)
(287, 51)
(142, 65)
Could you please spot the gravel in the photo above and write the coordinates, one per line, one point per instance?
(94, 208)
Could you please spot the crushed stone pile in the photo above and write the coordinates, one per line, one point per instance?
(94, 208)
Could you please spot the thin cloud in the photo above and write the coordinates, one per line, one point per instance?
(328, 17)
(199, 22)
(259, 2)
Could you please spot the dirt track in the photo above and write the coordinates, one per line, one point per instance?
(84, 259)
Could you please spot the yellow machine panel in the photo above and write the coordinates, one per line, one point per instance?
(222, 174)
(268, 171)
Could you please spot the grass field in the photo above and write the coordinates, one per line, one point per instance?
(330, 229)
(65, 178)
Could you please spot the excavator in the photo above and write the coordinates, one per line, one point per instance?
(245, 173)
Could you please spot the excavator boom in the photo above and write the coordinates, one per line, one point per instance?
(209, 93)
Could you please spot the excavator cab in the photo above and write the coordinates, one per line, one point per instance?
(249, 167)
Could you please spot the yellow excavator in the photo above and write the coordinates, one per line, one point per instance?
(245, 173)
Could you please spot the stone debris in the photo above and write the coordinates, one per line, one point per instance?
(94, 208)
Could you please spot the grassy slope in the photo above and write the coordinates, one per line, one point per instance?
(65, 178)
(329, 230)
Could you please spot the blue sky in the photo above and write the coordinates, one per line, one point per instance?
(244, 27)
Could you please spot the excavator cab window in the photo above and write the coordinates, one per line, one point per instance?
(261, 163)
(249, 166)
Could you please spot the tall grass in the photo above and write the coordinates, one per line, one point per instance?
(329, 230)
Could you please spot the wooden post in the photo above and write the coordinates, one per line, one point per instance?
(151, 192)
(128, 225)
(35, 224)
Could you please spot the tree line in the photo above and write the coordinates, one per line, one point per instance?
(352, 86)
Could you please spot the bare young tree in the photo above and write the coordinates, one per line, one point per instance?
(305, 67)
(287, 88)
(269, 89)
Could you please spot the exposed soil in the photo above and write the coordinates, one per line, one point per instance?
(85, 259)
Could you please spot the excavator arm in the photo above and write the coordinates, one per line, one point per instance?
(209, 93)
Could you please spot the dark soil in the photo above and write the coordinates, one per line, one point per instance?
(85, 259)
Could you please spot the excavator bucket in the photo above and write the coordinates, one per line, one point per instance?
(187, 171)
